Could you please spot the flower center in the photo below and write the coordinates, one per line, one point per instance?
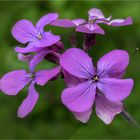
(91, 21)
(95, 78)
(31, 75)
(39, 36)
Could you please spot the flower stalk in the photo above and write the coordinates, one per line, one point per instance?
(129, 118)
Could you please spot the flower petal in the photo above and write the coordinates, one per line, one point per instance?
(115, 90)
(106, 110)
(113, 64)
(77, 62)
(79, 21)
(71, 80)
(121, 22)
(47, 40)
(47, 19)
(79, 98)
(94, 12)
(104, 20)
(24, 31)
(29, 102)
(12, 82)
(43, 76)
(24, 58)
(83, 116)
(37, 59)
(90, 29)
(30, 48)
(63, 23)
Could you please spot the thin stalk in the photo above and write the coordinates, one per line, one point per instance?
(73, 40)
(129, 119)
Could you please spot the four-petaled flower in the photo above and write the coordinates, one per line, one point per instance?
(91, 26)
(25, 32)
(102, 85)
(14, 81)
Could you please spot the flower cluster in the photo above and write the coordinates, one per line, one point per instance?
(86, 84)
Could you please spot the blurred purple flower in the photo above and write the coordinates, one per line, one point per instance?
(52, 53)
(87, 85)
(25, 32)
(14, 81)
(91, 26)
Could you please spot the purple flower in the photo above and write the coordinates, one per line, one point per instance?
(50, 53)
(25, 32)
(13, 82)
(102, 85)
(91, 26)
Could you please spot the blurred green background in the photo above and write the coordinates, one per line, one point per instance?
(50, 119)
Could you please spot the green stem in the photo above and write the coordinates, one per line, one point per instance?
(129, 119)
